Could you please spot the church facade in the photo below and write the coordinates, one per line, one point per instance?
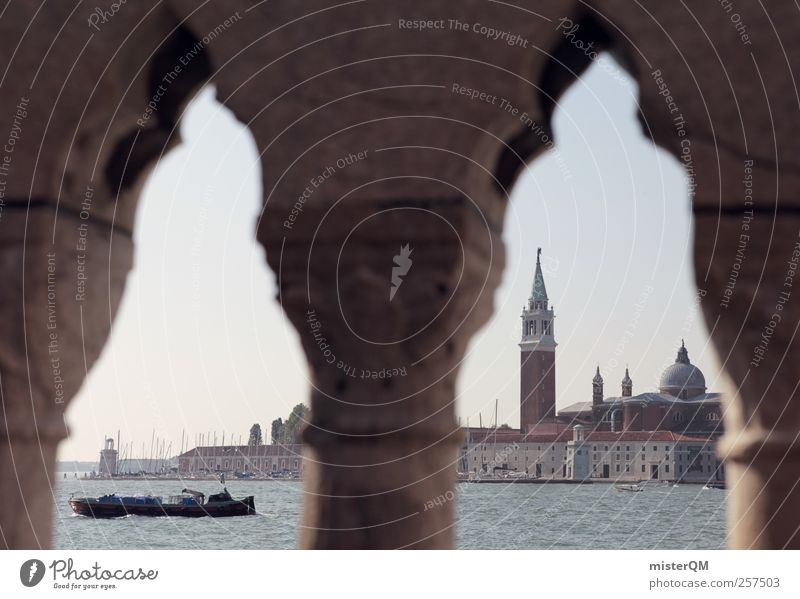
(666, 434)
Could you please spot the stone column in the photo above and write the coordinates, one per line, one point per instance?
(385, 296)
(62, 284)
(752, 309)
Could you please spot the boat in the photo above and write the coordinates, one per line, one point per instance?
(189, 504)
(631, 488)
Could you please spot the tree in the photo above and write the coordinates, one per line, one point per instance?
(255, 435)
(290, 432)
(277, 429)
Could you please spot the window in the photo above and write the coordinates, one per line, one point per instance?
(666, 468)
(617, 467)
(534, 327)
(643, 468)
(627, 468)
(627, 448)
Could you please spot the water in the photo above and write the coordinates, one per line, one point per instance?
(493, 516)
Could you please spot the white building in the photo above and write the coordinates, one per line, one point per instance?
(259, 460)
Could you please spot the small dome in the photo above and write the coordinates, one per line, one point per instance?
(627, 380)
(682, 379)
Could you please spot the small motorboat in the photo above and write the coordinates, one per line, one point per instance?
(631, 488)
(189, 504)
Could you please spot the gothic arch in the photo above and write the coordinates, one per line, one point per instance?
(418, 154)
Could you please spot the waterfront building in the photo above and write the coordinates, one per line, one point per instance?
(258, 460)
(579, 453)
(681, 404)
(668, 434)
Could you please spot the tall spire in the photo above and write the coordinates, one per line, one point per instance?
(538, 293)
(597, 388)
(627, 380)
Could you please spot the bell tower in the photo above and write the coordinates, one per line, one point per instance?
(597, 388)
(537, 357)
(627, 385)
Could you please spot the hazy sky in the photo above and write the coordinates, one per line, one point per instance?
(200, 343)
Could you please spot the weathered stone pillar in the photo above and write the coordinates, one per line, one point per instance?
(748, 260)
(385, 296)
(386, 153)
(85, 108)
(62, 283)
(737, 142)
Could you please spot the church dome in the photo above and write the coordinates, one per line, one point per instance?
(682, 379)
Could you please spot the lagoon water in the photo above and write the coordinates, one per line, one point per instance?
(490, 516)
